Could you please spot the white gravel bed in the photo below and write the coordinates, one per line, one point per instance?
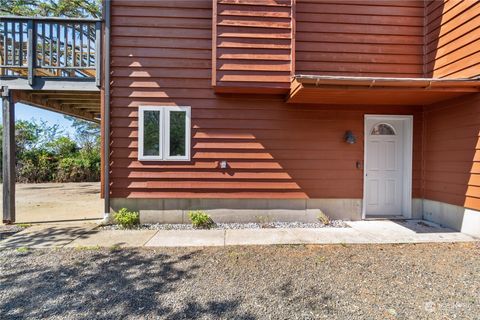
(229, 226)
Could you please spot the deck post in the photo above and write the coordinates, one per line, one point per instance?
(98, 53)
(31, 56)
(8, 113)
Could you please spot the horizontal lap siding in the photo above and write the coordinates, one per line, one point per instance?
(253, 44)
(452, 39)
(274, 150)
(452, 152)
(359, 38)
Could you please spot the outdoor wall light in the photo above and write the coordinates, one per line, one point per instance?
(223, 164)
(349, 137)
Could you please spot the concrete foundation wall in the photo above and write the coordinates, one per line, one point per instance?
(417, 208)
(455, 217)
(302, 210)
(241, 210)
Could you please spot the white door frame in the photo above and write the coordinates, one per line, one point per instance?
(407, 160)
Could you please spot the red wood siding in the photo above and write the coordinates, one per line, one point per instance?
(452, 39)
(252, 42)
(274, 150)
(452, 152)
(359, 38)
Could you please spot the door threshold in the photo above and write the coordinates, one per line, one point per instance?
(385, 217)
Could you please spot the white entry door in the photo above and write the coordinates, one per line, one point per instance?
(384, 167)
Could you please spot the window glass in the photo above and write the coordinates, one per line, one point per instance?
(151, 129)
(177, 133)
(383, 129)
(164, 133)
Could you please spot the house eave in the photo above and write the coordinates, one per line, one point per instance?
(377, 90)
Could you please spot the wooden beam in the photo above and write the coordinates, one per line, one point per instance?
(8, 113)
(94, 106)
(73, 103)
(89, 109)
(72, 85)
(67, 94)
(37, 101)
(54, 98)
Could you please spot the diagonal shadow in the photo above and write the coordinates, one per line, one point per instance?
(107, 285)
(47, 237)
(423, 226)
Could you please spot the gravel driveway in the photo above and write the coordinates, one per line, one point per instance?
(42, 202)
(428, 281)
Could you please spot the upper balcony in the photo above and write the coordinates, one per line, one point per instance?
(53, 63)
(50, 53)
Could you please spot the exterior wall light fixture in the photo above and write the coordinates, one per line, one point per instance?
(223, 164)
(349, 137)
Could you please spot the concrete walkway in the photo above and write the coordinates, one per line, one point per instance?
(360, 232)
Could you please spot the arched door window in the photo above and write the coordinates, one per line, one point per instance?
(383, 129)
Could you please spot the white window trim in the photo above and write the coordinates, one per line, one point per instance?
(164, 133)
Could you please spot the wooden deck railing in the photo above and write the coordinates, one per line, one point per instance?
(50, 47)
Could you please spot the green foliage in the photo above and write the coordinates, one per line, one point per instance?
(200, 219)
(84, 166)
(87, 133)
(127, 219)
(35, 167)
(23, 225)
(52, 8)
(62, 147)
(88, 248)
(45, 154)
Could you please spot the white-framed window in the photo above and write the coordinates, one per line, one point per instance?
(164, 133)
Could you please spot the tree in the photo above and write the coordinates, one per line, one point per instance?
(45, 154)
(52, 8)
(31, 135)
(87, 133)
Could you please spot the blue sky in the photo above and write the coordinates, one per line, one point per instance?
(25, 112)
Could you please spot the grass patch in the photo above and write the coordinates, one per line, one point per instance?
(87, 248)
(22, 249)
(23, 225)
(115, 247)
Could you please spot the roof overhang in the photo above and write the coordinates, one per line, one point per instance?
(369, 90)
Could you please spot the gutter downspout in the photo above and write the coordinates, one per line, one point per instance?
(106, 132)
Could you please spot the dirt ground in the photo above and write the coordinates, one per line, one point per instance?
(387, 282)
(45, 202)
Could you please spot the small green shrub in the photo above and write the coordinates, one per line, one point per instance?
(127, 219)
(323, 218)
(200, 219)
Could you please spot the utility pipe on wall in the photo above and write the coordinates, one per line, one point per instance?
(106, 112)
